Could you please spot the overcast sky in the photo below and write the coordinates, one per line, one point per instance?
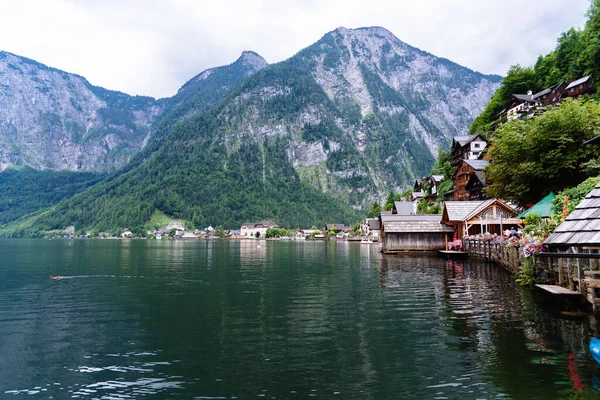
(151, 47)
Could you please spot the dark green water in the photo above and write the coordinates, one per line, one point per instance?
(220, 319)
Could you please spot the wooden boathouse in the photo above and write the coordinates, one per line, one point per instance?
(413, 233)
(481, 216)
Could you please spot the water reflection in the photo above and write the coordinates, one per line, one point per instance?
(177, 319)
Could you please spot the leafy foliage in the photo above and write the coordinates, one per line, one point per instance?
(428, 207)
(278, 232)
(25, 190)
(374, 211)
(526, 274)
(533, 157)
(575, 196)
(577, 54)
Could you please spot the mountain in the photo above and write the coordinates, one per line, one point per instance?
(51, 119)
(202, 91)
(309, 140)
(108, 143)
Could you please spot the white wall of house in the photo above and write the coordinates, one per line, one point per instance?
(251, 231)
(476, 147)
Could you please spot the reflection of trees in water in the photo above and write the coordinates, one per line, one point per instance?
(520, 346)
(505, 324)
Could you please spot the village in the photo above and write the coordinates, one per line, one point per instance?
(464, 211)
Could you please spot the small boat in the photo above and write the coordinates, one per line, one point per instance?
(595, 349)
(55, 277)
(366, 241)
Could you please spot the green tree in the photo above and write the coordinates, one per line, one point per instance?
(220, 231)
(518, 80)
(533, 157)
(374, 211)
(590, 55)
(443, 166)
(390, 199)
(575, 196)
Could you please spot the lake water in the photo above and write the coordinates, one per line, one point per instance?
(286, 320)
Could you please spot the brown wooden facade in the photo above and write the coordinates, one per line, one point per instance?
(413, 233)
(580, 87)
(468, 180)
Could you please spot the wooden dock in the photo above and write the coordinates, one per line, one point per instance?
(555, 289)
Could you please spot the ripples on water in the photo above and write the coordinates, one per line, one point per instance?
(220, 320)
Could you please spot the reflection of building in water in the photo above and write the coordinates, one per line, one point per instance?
(252, 251)
(125, 250)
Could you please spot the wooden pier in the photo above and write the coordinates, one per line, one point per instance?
(453, 253)
(555, 289)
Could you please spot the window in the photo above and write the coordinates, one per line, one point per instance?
(580, 86)
(572, 90)
(476, 145)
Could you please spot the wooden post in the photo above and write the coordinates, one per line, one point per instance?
(569, 274)
(561, 277)
(579, 273)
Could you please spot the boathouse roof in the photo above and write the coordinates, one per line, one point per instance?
(415, 223)
(464, 210)
(460, 210)
(582, 226)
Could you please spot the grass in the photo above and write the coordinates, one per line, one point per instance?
(160, 220)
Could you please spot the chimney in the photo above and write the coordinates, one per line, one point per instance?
(529, 93)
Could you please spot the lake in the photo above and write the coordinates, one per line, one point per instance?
(277, 320)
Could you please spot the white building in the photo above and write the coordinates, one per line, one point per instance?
(251, 229)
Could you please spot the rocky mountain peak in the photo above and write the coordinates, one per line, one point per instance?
(253, 59)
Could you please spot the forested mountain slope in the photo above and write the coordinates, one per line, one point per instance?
(354, 115)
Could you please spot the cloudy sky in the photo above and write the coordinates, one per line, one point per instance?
(151, 47)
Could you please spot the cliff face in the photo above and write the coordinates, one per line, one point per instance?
(359, 112)
(50, 119)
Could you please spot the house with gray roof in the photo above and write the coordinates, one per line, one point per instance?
(580, 86)
(404, 208)
(480, 216)
(467, 148)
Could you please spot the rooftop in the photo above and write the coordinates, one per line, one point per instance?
(578, 82)
(460, 210)
(404, 207)
(414, 223)
(416, 226)
(543, 208)
(582, 226)
(478, 165)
